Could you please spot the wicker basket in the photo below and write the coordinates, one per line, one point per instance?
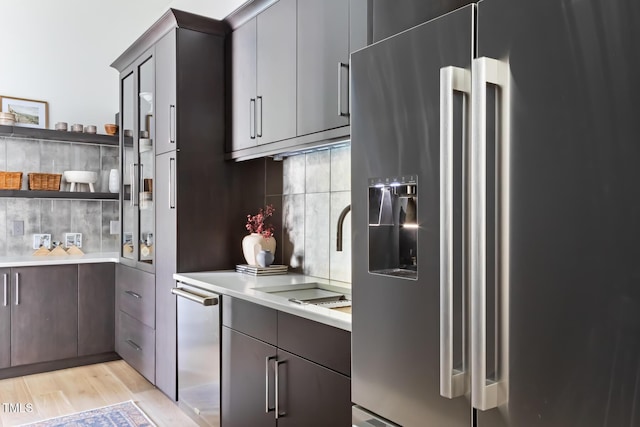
(44, 181)
(10, 180)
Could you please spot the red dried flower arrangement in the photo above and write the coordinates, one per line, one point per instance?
(255, 223)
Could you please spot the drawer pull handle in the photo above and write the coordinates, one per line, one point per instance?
(278, 414)
(134, 345)
(133, 294)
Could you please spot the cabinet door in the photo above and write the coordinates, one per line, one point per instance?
(96, 308)
(276, 70)
(243, 86)
(247, 378)
(166, 256)
(165, 105)
(323, 60)
(311, 395)
(5, 319)
(44, 314)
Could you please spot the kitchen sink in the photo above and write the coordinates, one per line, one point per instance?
(311, 293)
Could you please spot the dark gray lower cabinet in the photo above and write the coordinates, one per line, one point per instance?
(312, 391)
(44, 314)
(311, 395)
(96, 308)
(244, 377)
(5, 319)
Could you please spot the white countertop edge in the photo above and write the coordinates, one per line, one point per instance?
(245, 287)
(31, 260)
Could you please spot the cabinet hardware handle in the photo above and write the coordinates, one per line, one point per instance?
(192, 296)
(277, 380)
(134, 345)
(342, 65)
(17, 288)
(259, 127)
(6, 289)
(172, 183)
(132, 175)
(488, 393)
(267, 359)
(133, 294)
(453, 383)
(172, 124)
(252, 118)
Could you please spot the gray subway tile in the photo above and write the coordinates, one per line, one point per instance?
(28, 211)
(293, 241)
(293, 170)
(109, 213)
(317, 172)
(86, 219)
(55, 218)
(341, 169)
(3, 227)
(316, 242)
(23, 155)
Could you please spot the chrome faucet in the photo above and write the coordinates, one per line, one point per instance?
(344, 213)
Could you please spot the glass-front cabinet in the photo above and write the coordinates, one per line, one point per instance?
(137, 132)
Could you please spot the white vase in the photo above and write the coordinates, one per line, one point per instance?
(254, 243)
(114, 181)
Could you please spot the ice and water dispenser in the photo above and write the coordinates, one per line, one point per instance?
(393, 226)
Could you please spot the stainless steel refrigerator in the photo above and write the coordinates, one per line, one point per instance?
(496, 218)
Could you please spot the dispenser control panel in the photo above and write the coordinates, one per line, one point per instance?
(393, 226)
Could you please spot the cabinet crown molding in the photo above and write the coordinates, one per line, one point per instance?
(173, 18)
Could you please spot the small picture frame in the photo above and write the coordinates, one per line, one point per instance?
(29, 112)
(42, 241)
(73, 239)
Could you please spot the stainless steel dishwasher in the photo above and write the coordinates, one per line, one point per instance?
(198, 354)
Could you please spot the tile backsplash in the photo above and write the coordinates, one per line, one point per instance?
(316, 187)
(55, 216)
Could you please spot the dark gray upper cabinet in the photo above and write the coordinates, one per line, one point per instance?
(243, 86)
(44, 314)
(263, 80)
(5, 319)
(96, 308)
(165, 102)
(323, 65)
(299, 53)
(276, 72)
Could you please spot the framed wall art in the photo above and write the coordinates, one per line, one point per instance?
(29, 112)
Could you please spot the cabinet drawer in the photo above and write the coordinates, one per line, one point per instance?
(323, 344)
(137, 294)
(251, 319)
(137, 345)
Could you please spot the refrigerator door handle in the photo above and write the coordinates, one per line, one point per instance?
(487, 393)
(453, 382)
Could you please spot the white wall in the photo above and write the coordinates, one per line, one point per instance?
(61, 51)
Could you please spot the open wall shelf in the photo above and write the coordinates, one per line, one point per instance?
(58, 135)
(71, 195)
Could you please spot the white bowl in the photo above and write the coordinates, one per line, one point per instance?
(81, 177)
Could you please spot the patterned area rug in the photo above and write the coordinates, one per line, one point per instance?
(125, 414)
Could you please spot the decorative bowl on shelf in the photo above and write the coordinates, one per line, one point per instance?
(80, 177)
(111, 128)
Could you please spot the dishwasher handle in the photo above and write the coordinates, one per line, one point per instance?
(195, 297)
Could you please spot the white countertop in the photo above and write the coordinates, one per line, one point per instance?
(30, 260)
(246, 287)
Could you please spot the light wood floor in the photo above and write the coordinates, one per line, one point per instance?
(77, 389)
